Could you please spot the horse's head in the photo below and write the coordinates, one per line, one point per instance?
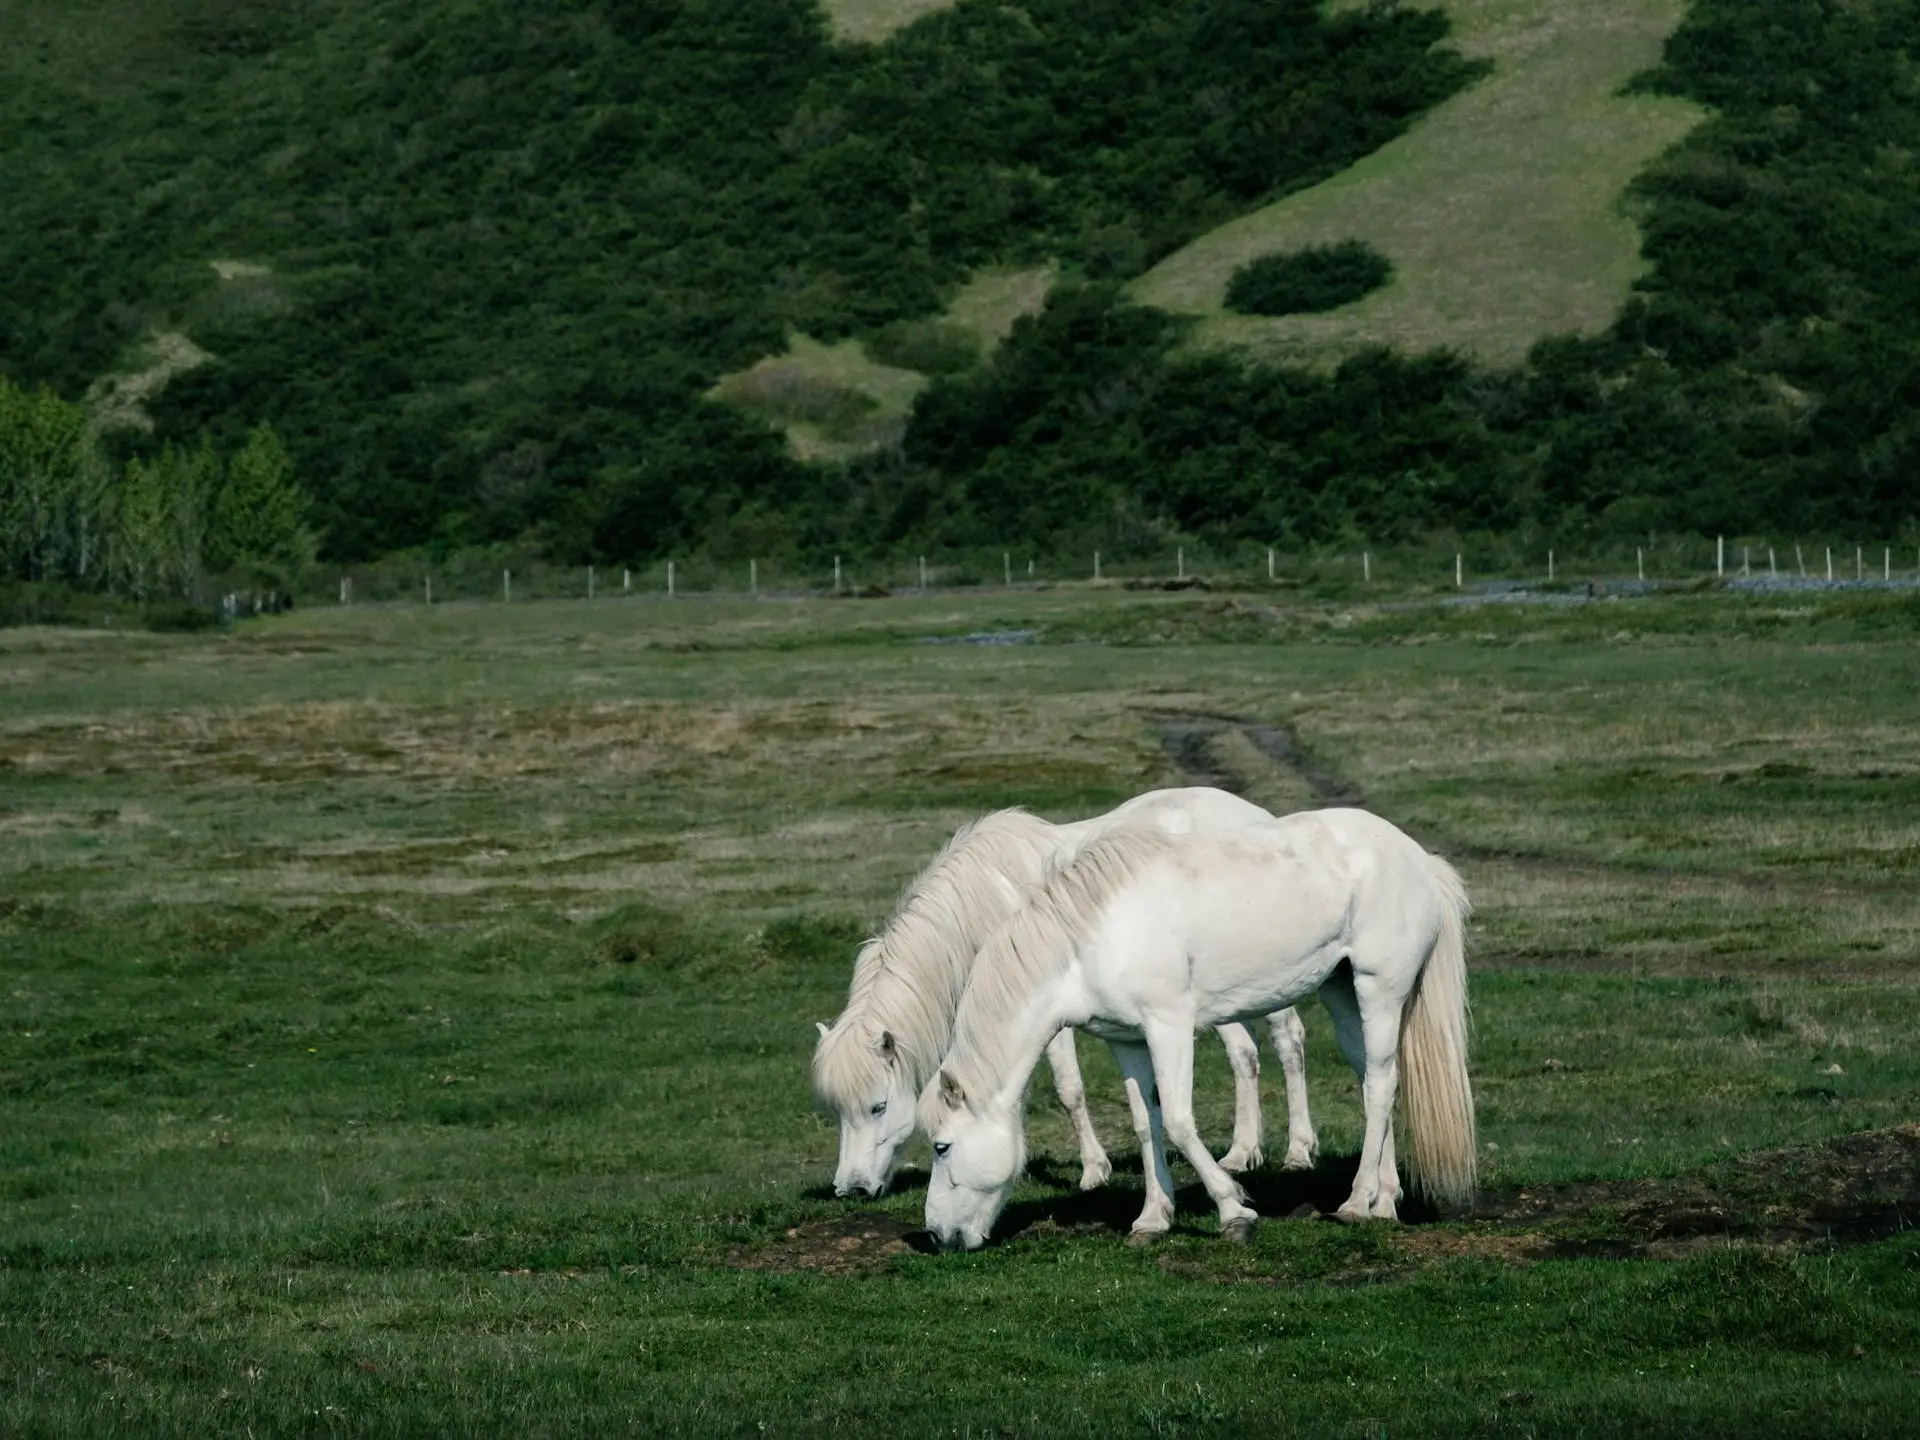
(864, 1081)
(977, 1158)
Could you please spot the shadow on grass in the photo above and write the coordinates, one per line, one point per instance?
(1276, 1194)
(908, 1181)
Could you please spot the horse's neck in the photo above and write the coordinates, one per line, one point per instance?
(1024, 1038)
(1056, 1005)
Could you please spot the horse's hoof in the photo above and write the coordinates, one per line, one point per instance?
(1141, 1239)
(1093, 1176)
(1238, 1231)
(1236, 1161)
(1298, 1160)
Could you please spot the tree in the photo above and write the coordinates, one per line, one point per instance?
(260, 513)
(54, 488)
(161, 520)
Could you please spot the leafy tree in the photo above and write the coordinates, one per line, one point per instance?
(259, 515)
(54, 488)
(162, 520)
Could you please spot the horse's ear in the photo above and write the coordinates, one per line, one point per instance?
(951, 1092)
(887, 1047)
(821, 1026)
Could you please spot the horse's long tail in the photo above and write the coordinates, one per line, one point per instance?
(1434, 1090)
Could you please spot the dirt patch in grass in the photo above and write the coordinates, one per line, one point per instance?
(1849, 1190)
(856, 1244)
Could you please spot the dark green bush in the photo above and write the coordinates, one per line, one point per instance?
(179, 616)
(930, 346)
(1303, 282)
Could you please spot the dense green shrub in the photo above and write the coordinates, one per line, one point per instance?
(1299, 282)
(930, 346)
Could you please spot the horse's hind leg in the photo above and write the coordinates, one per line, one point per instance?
(1337, 994)
(1136, 1066)
(1172, 1047)
(1244, 1056)
(1290, 1044)
(1062, 1059)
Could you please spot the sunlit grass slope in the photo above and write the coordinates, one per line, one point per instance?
(1501, 210)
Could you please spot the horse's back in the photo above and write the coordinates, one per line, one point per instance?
(1185, 810)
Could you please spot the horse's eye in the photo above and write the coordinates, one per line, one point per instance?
(879, 1109)
(940, 1147)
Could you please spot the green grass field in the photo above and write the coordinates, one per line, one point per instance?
(408, 1015)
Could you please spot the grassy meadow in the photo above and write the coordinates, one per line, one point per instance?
(407, 1018)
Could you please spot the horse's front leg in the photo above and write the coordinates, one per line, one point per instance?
(1136, 1067)
(1290, 1044)
(1062, 1059)
(1244, 1056)
(1171, 1043)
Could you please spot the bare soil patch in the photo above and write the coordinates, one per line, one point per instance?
(1845, 1191)
(857, 1244)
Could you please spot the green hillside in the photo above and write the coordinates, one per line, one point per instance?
(497, 252)
(578, 272)
(1500, 210)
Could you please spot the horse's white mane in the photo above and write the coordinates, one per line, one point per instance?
(907, 980)
(1038, 943)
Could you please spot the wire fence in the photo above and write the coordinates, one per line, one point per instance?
(1487, 571)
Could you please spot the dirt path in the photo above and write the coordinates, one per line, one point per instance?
(1197, 743)
(1188, 737)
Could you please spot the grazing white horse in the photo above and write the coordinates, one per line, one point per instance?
(1146, 936)
(871, 1063)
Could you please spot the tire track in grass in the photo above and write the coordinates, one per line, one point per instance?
(1194, 741)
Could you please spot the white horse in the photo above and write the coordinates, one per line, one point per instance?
(871, 1063)
(1146, 936)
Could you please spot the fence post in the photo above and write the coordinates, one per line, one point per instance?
(429, 587)
(1829, 562)
(1096, 564)
(753, 578)
(1456, 570)
(1720, 556)
(626, 579)
(1800, 561)
(1859, 562)
(1640, 562)
(1030, 568)
(669, 579)
(1549, 565)
(1180, 563)
(923, 573)
(589, 582)
(1006, 569)
(1886, 564)
(506, 585)
(1773, 570)
(1269, 562)
(1366, 566)
(343, 589)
